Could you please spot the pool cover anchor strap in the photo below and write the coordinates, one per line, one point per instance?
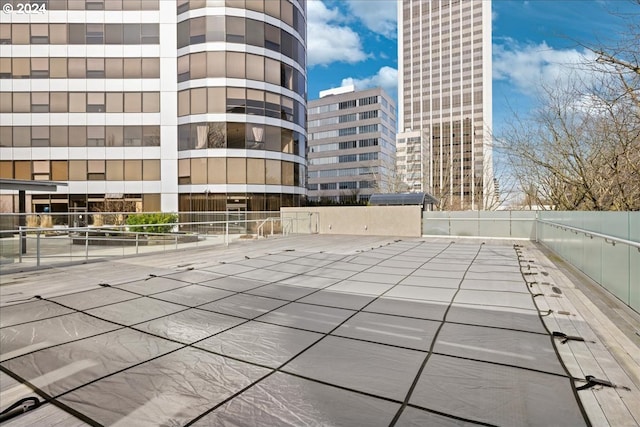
(593, 381)
(19, 408)
(566, 337)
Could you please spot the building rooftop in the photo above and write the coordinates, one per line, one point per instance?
(323, 330)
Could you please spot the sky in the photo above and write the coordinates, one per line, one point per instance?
(355, 42)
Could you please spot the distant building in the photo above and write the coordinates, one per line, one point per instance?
(411, 159)
(351, 144)
(165, 105)
(444, 68)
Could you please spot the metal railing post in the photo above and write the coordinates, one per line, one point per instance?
(86, 245)
(20, 235)
(271, 221)
(38, 248)
(226, 231)
(137, 241)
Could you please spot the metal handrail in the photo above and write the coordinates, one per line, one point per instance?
(608, 239)
(117, 232)
(271, 220)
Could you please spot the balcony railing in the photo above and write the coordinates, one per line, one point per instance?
(603, 245)
(56, 243)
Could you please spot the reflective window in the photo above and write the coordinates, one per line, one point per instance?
(21, 68)
(132, 102)
(235, 65)
(199, 101)
(58, 68)
(216, 100)
(217, 170)
(255, 171)
(236, 170)
(77, 102)
(133, 170)
(236, 135)
(216, 64)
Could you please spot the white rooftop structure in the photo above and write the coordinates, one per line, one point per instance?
(337, 90)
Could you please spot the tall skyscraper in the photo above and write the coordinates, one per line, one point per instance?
(411, 148)
(351, 144)
(445, 93)
(167, 105)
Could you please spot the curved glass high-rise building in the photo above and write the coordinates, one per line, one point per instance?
(159, 105)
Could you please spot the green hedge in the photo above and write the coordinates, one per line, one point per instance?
(162, 222)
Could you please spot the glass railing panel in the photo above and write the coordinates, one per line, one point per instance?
(436, 223)
(523, 224)
(465, 223)
(634, 261)
(494, 224)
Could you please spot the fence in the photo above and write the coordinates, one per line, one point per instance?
(603, 245)
(38, 246)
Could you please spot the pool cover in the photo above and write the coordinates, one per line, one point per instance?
(412, 333)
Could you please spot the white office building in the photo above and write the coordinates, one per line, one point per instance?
(169, 105)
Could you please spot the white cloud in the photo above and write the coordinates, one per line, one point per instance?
(327, 40)
(380, 16)
(529, 66)
(386, 77)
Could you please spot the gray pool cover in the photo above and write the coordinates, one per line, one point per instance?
(412, 333)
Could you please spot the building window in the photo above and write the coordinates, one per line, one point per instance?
(40, 136)
(368, 128)
(348, 158)
(95, 68)
(39, 68)
(348, 185)
(132, 136)
(368, 114)
(39, 34)
(347, 118)
(347, 131)
(363, 157)
(95, 34)
(347, 145)
(94, 5)
(95, 136)
(96, 170)
(95, 102)
(369, 142)
(40, 102)
(149, 34)
(368, 100)
(347, 104)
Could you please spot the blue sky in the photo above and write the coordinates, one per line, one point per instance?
(355, 41)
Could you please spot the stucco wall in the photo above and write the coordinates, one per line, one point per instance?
(401, 221)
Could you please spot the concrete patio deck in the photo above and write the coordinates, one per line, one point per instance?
(317, 330)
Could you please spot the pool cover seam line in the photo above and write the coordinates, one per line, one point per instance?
(247, 320)
(75, 310)
(324, 335)
(456, 417)
(433, 343)
(83, 311)
(555, 348)
(50, 399)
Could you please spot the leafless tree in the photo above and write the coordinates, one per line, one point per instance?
(580, 148)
